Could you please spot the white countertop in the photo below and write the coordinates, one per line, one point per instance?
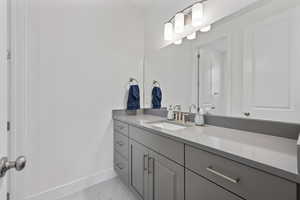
(275, 152)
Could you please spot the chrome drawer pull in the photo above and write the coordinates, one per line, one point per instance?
(210, 169)
(150, 165)
(145, 159)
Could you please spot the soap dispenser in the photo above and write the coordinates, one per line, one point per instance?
(199, 117)
(171, 113)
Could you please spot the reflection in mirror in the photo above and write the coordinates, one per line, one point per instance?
(212, 68)
(248, 67)
(171, 67)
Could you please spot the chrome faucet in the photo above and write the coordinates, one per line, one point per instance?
(177, 109)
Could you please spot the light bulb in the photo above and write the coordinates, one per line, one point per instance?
(206, 29)
(179, 23)
(191, 36)
(168, 35)
(197, 14)
(178, 42)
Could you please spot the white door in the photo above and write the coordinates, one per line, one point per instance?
(271, 68)
(3, 92)
(212, 84)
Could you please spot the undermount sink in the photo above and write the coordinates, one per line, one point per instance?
(167, 126)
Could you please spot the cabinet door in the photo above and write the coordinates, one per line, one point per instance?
(138, 166)
(198, 188)
(166, 179)
(271, 68)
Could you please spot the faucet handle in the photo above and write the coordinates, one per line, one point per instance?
(184, 117)
(177, 107)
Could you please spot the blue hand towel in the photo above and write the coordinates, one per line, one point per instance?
(156, 98)
(133, 102)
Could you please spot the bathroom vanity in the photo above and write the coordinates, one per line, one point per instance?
(208, 163)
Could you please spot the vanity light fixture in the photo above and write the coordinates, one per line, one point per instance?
(192, 15)
(168, 31)
(197, 14)
(191, 36)
(205, 29)
(178, 42)
(179, 22)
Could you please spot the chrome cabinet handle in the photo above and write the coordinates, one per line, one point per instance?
(232, 180)
(144, 161)
(6, 165)
(150, 165)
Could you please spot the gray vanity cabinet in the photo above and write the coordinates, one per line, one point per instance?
(247, 182)
(154, 177)
(166, 180)
(121, 149)
(138, 169)
(199, 188)
(156, 167)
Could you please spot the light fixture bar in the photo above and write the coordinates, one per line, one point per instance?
(187, 10)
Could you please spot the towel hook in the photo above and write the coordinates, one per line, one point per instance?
(131, 80)
(156, 83)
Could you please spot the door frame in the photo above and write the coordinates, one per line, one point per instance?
(18, 14)
(4, 90)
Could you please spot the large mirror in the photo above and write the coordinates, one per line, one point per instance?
(248, 66)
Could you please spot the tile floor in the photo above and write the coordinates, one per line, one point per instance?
(111, 190)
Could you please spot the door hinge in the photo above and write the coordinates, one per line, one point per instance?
(8, 55)
(8, 126)
(8, 196)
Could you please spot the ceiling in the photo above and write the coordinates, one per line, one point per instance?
(141, 3)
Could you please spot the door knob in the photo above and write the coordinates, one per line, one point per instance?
(6, 165)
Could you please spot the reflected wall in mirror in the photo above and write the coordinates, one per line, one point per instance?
(171, 67)
(249, 65)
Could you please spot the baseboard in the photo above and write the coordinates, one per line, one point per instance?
(74, 186)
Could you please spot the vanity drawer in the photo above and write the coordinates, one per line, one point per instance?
(121, 144)
(121, 167)
(167, 147)
(121, 127)
(199, 188)
(244, 181)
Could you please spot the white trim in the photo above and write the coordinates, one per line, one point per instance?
(74, 186)
(19, 11)
(3, 90)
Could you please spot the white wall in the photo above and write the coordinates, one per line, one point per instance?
(79, 55)
(171, 66)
